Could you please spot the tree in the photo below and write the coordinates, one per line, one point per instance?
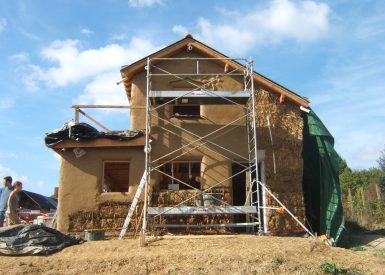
(342, 165)
(381, 160)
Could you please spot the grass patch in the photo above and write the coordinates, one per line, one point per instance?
(278, 260)
(358, 248)
(333, 269)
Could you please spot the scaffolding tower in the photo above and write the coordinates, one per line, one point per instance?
(203, 94)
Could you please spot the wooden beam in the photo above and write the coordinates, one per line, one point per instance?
(94, 121)
(107, 107)
(76, 115)
(100, 142)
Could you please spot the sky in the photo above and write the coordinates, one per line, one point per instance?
(57, 53)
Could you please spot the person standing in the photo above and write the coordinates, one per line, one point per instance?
(13, 203)
(4, 195)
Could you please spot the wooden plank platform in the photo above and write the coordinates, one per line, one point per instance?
(219, 225)
(192, 210)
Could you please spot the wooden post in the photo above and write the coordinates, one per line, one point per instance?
(76, 115)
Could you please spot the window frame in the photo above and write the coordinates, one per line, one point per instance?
(173, 175)
(104, 174)
(199, 115)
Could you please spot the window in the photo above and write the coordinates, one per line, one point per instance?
(188, 172)
(186, 110)
(115, 176)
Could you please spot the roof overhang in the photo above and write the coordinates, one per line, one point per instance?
(100, 143)
(129, 71)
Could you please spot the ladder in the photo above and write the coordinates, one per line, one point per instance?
(133, 206)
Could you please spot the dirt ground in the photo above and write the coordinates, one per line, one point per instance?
(235, 254)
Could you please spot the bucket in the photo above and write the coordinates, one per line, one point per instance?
(93, 235)
(211, 199)
(199, 202)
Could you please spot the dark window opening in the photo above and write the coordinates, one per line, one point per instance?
(187, 172)
(116, 177)
(186, 110)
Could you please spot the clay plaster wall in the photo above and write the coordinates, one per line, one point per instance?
(81, 180)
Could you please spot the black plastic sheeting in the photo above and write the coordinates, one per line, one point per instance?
(83, 132)
(33, 201)
(23, 240)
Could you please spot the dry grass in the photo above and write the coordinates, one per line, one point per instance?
(242, 254)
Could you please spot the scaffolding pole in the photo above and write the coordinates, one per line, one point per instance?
(147, 150)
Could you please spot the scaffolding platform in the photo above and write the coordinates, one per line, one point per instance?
(216, 225)
(200, 97)
(191, 210)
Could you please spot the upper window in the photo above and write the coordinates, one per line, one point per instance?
(186, 110)
(115, 176)
(178, 172)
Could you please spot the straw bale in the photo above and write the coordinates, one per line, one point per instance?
(110, 217)
(196, 220)
(165, 198)
(284, 222)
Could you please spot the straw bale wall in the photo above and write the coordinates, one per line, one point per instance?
(286, 126)
(166, 198)
(109, 216)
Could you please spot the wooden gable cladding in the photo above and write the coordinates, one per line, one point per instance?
(190, 44)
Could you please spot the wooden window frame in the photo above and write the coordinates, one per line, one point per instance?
(104, 174)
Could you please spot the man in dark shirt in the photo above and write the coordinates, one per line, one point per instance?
(4, 195)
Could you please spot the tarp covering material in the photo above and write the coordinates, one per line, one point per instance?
(33, 201)
(83, 132)
(321, 184)
(21, 240)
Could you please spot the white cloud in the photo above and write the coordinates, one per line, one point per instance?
(73, 64)
(8, 155)
(179, 29)
(351, 102)
(119, 37)
(86, 31)
(103, 90)
(6, 103)
(5, 171)
(31, 77)
(144, 3)
(19, 57)
(303, 22)
(3, 24)
(371, 27)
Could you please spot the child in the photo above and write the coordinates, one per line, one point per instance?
(13, 203)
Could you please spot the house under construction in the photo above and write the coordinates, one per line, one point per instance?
(212, 147)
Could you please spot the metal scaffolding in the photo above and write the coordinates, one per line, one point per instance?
(203, 94)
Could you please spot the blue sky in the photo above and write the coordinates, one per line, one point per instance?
(57, 53)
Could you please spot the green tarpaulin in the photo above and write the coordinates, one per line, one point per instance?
(320, 179)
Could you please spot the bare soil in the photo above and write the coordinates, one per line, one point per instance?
(235, 254)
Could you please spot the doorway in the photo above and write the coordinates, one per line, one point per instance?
(239, 192)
